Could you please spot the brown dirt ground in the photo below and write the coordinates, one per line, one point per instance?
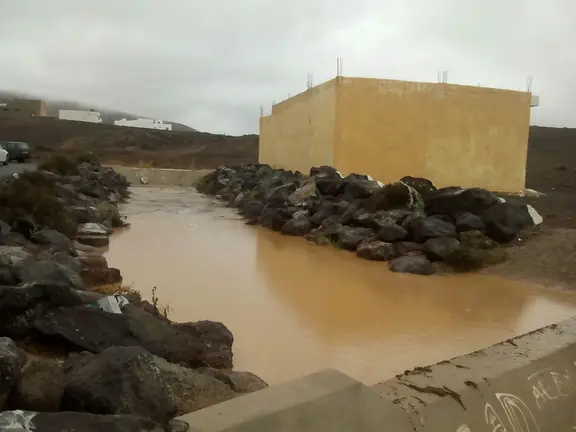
(546, 255)
(131, 146)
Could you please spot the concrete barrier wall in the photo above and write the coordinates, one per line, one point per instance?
(526, 384)
(160, 176)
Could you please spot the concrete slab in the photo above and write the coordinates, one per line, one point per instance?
(160, 176)
(526, 384)
(324, 401)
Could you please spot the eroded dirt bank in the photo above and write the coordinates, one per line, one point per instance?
(295, 308)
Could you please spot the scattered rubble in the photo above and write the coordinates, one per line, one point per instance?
(411, 224)
(100, 362)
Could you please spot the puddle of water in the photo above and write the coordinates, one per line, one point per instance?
(295, 308)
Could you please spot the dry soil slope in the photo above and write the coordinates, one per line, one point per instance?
(115, 144)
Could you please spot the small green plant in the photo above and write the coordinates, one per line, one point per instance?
(134, 296)
(128, 291)
(159, 309)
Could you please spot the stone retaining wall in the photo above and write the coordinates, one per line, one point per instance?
(160, 176)
(526, 384)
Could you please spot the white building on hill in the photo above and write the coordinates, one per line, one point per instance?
(84, 116)
(144, 123)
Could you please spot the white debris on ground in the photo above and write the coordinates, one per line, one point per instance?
(536, 218)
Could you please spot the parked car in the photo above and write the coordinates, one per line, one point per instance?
(17, 150)
(3, 156)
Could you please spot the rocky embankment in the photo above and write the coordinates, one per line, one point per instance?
(411, 224)
(67, 361)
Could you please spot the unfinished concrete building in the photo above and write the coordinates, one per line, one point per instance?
(451, 134)
(23, 108)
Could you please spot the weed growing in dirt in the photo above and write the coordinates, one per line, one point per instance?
(61, 165)
(134, 296)
(159, 309)
(128, 291)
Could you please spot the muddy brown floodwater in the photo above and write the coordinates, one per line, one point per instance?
(296, 308)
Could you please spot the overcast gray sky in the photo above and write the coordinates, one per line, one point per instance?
(211, 64)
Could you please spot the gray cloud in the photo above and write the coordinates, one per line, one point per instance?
(212, 64)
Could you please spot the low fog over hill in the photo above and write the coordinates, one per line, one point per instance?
(108, 116)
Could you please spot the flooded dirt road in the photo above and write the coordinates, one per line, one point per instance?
(295, 308)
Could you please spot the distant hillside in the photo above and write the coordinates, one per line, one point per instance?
(130, 146)
(108, 116)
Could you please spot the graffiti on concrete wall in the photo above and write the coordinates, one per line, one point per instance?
(549, 385)
(513, 414)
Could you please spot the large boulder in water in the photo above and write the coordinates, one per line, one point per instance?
(441, 248)
(130, 380)
(95, 330)
(392, 233)
(351, 237)
(214, 335)
(297, 226)
(376, 251)
(251, 209)
(92, 259)
(274, 218)
(415, 264)
(93, 229)
(327, 233)
(376, 221)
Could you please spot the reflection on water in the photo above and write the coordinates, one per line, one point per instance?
(295, 308)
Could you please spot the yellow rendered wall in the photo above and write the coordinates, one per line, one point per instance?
(453, 135)
(299, 134)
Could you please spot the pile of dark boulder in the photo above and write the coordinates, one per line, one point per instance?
(414, 226)
(65, 362)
